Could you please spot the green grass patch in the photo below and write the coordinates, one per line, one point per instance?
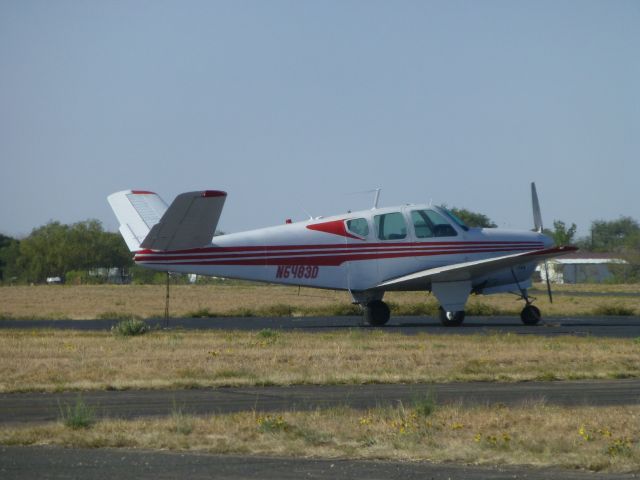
(424, 405)
(181, 422)
(77, 416)
(272, 424)
(130, 328)
(268, 334)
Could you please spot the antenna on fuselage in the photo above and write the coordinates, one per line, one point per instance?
(308, 214)
(376, 198)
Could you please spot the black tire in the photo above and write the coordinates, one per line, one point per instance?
(454, 320)
(530, 315)
(376, 313)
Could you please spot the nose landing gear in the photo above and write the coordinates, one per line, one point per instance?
(451, 319)
(530, 315)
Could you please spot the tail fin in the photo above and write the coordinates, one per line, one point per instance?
(146, 222)
(137, 212)
(190, 222)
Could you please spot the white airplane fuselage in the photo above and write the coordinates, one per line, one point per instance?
(357, 251)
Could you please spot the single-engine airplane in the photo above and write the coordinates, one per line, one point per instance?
(410, 247)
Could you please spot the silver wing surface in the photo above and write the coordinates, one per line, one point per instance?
(469, 270)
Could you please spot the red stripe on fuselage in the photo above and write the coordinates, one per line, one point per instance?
(443, 249)
(320, 260)
(270, 248)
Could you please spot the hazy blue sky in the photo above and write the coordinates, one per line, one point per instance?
(290, 106)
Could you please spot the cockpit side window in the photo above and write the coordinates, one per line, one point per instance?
(358, 226)
(429, 223)
(390, 226)
(421, 224)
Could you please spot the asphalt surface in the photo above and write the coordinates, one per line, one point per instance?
(39, 407)
(616, 327)
(97, 464)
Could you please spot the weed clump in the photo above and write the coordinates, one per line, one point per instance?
(130, 328)
(79, 415)
(272, 424)
(182, 422)
(268, 333)
(425, 405)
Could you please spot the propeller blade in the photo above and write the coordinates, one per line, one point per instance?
(546, 273)
(537, 216)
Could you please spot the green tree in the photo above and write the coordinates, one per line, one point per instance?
(42, 253)
(614, 235)
(55, 249)
(561, 234)
(473, 219)
(9, 253)
(630, 252)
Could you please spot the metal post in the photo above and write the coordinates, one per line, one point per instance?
(166, 304)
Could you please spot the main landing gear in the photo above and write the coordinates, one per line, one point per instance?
(376, 313)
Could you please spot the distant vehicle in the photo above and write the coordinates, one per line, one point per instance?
(410, 247)
(54, 280)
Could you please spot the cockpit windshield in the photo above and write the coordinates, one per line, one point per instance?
(455, 218)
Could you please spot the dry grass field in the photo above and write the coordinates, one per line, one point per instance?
(41, 360)
(597, 439)
(537, 434)
(145, 301)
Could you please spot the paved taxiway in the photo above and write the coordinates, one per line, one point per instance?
(616, 327)
(92, 464)
(38, 407)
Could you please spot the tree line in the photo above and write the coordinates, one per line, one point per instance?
(57, 250)
(74, 251)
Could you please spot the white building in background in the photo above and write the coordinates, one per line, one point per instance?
(580, 268)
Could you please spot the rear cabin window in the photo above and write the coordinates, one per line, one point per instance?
(429, 223)
(390, 226)
(358, 226)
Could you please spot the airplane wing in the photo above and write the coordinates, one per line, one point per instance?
(469, 270)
